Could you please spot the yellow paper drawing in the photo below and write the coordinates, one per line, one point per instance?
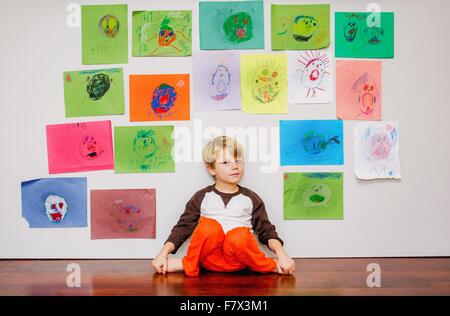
(264, 83)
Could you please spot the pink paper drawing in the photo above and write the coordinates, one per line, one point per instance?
(358, 90)
(123, 213)
(83, 146)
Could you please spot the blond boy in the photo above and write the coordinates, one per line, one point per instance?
(221, 219)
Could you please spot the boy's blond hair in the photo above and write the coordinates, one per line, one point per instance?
(226, 144)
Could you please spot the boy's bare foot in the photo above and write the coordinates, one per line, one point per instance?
(174, 265)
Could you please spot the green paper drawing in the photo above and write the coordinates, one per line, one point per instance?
(300, 27)
(162, 33)
(231, 25)
(358, 36)
(143, 149)
(313, 195)
(104, 32)
(94, 92)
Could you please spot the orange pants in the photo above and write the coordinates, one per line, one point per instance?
(214, 250)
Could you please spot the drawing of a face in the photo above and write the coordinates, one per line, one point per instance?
(317, 194)
(315, 143)
(109, 25)
(97, 86)
(220, 83)
(304, 28)
(380, 145)
(89, 148)
(163, 99)
(238, 27)
(266, 84)
(350, 30)
(166, 35)
(367, 93)
(55, 208)
(129, 218)
(313, 73)
(314, 64)
(144, 144)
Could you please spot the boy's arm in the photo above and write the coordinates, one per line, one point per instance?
(166, 249)
(276, 246)
(185, 225)
(261, 223)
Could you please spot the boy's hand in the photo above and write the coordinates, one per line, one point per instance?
(286, 264)
(160, 263)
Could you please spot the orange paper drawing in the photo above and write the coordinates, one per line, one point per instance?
(159, 97)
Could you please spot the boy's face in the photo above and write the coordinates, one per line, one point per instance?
(227, 168)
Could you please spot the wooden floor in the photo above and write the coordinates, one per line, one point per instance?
(399, 276)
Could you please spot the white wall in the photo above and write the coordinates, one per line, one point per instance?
(382, 218)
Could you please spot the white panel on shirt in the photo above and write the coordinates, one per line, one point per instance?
(237, 213)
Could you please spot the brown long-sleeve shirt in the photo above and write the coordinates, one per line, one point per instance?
(242, 208)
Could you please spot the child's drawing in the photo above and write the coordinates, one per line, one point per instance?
(231, 25)
(364, 34)
(313, 195)
(300, 27)
(358, 90)
(310, 76)
(140, 149)
(55, 202)
(263, 77)
(123, 213)
(217, 81)
(94, 92)
(311, 142)
(377, 150)
(162, 33)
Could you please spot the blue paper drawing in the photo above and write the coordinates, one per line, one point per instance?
(311, 142)
(55, 202)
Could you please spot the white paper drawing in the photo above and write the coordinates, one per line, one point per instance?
(377, 150)
(216, 79)
(310, 76)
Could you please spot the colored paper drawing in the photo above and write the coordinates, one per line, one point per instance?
(364, 34)
(55, 202)
(311, 142)
(313, 195)
(93, 92)
(104, 33)
(123, 213)
(300, 27)
(231, 25)
(162, 33)
(358, 90)
(143, 149)
(83, 146)
(216, 81)
(310, 76)
(159, 97)
(377, 150)
(264, 83)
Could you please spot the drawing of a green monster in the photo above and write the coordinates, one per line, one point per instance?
(238, 27)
